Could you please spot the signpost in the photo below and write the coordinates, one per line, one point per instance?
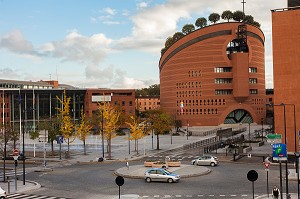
(16, 156)
(252, 176)
(267, 164)
(119, 181)
(280, 153)
(274, 138)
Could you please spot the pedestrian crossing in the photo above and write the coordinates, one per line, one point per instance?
(25, 196)
(177, 157)
(201, 196)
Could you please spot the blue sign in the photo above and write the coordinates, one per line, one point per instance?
(279, 151)
(60, 139)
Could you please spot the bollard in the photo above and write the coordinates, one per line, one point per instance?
(8, 186)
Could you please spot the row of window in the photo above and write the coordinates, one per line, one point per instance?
(117, 103)
(229, 69)
(197, 111)
(189, 85)
(201, 102)
(258, 101)
(150, 103)
(195, 73)
(188, 93)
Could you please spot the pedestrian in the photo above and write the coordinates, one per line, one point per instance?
(275, 192)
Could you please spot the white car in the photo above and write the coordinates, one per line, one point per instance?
(159, 174)
(2, 194)
(206, 160)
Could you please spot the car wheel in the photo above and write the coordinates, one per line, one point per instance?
(148, 180)
(170, 180)
(2, 197)
(212, 164)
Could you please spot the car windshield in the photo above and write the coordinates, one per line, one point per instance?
(167, 172)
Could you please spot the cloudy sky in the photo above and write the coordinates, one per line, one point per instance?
(105, 43)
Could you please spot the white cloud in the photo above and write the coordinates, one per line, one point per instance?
(142, 5)
(8, 73)
(109, 11)
(15, 42)
(78, 48)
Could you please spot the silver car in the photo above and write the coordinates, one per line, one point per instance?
(158, 174)
(206, 160)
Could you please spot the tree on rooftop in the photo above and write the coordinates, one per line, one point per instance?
(188, 28)
(169, 42)
(214, 17)
(177, 36)
(255, 23)
(238, 16)
(201, 22)
(227, 15)
(248, 19)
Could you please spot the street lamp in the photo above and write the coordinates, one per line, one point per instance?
(262, 128)
(297, 155)
(249, 131)
(285, 142)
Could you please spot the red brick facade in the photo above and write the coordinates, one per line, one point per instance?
(199, 73)
(286, 53)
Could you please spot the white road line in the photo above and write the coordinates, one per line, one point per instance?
(178, 196)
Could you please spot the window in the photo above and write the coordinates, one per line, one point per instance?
(223, 92)
(252, 70)
(130, 103)
(253, 81)
(253, 91)
(123, 103)
(223, 69)
(223, 80)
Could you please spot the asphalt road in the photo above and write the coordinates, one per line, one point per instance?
(229, 180)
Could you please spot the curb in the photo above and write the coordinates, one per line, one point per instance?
(29, 188)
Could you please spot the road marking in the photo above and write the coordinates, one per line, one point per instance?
(178, 196)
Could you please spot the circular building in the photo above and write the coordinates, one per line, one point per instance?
(215, 75)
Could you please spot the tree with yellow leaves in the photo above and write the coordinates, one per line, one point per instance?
(137, 131)
(110, 124)
(83, 130)
(66, 125)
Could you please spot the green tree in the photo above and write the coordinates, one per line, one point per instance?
(255, 23)
(177, 36)
(160, 121)
(227, 15)
(188, 28)
(83, 130)
(248, 19)
(214, 17)
(201, 22)
(238, 16)
(169, 42)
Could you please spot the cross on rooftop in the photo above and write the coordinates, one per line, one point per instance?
(243, 2)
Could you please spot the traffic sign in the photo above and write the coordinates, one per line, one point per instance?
(279, 151)
(267, 164)
(252, 175)
(16, 152)
(274, 136)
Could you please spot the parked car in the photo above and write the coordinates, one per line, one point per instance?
(206, 160)
(2, 194)
(159, 174)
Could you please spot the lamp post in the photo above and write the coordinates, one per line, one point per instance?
(262, 129)
(297, 155)
(102, 128)
(249, 131)
(285, 142)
